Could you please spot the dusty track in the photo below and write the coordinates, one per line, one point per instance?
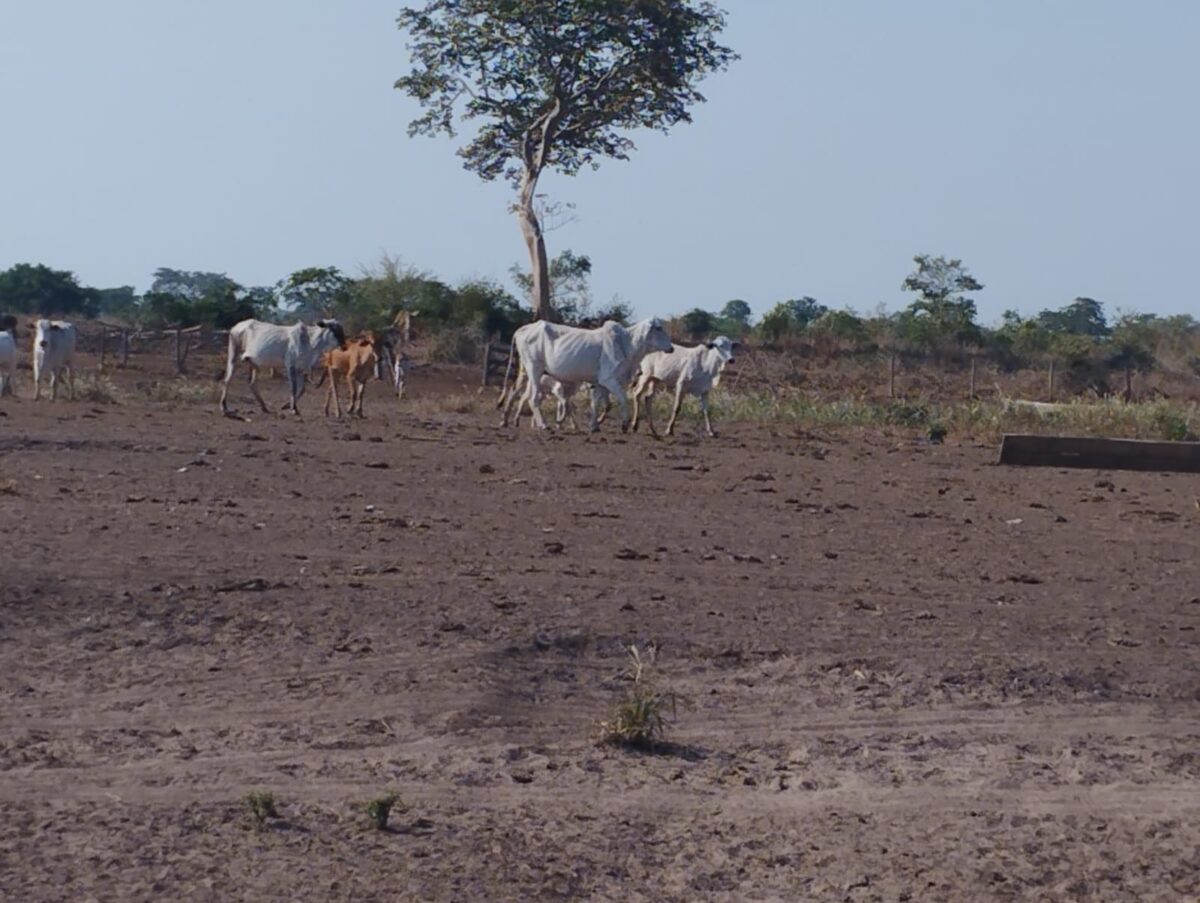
(913, 674)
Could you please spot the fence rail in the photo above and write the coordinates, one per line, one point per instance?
(121, 340)
(495, 362)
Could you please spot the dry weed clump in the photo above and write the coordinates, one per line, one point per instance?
(639, 720)
(261, 804)
(451, 403)
(96, 388)
(379, 810)
(180, 391)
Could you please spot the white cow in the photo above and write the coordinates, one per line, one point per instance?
(689, 371)
(8, 361)
(606, 357)
(296, 349)
(53, 353)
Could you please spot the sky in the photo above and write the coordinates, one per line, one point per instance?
(1052, 145)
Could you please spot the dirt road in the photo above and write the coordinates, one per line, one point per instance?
(912, 675)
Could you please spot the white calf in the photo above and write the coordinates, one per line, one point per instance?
(606, 357)
(53, 353)
(689, 371)
(8, 362)
(296, 349)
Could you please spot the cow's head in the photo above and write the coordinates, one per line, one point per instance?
(724, 346)
(43, 329)
(656, 336)
(336, 328)
(8, 323)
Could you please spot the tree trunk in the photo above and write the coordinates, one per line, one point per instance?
(535, 242)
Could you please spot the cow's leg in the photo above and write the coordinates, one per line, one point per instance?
(649, 410)
(707, 421)
(54, 385)
(569, 411)
(254, 387)
(640, 387)
(613, 386)
(516, 392)
(607, 407)
(349, 393)
(296, 384)
(649, 399)
(675, 408)
(331, 394)
(534, 394)
(37, 379)
(70, 381)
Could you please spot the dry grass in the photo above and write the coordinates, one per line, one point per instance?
(379, 810)
(449, 403)
(180, 391)
(261, 805)
(96, 388)
(1162, 419)
(639, 720)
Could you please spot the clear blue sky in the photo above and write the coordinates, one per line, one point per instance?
(1053, 146)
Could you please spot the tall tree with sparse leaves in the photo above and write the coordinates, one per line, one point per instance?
(555, 85)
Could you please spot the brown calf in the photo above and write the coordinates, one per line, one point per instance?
(356, 363)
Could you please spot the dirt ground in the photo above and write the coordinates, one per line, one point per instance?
(911, 674)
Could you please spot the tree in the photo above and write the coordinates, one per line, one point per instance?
(1083, 316)
(776, 324)
(187, 284)
(314, 292)
(122, 302)
(843, 327)
(555, 85)
(804, 311)
(698, 324)
(940, 314)
(1130, 348)
(734, 319)
(570, 294)
(38, 289)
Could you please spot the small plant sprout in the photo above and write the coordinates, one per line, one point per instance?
(639, 720)
(261, 805)
(380, 809)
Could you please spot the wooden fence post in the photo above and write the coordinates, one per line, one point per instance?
(124, 347)
(972, 395)
(103, 342)
(1050, 380)
(892, 376)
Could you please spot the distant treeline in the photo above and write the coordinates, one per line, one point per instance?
(940, 323)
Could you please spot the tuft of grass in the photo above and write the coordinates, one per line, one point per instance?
(180, 391)
(448, 403)
(379, 810)
(639, 721)
(95, 388)
(261, 805)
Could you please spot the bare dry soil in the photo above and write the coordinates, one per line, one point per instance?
(910, 674)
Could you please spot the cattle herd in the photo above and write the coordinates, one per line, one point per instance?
(551, 359)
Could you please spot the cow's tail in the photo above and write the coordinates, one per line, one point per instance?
(512, 345)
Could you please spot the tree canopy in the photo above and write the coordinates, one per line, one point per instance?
(555, 85)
